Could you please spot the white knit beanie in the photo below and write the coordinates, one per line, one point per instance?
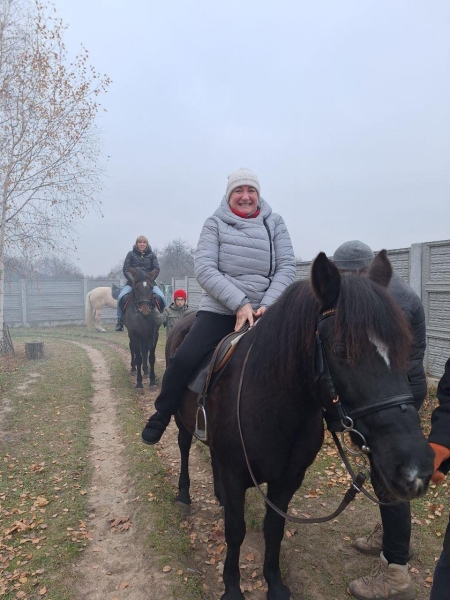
(241, 177)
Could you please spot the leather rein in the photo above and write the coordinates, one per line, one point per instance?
(346, 424)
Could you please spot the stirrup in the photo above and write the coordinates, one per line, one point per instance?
(201, 434)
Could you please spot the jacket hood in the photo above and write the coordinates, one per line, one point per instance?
(225, 213)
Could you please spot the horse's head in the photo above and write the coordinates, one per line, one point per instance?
(142, 284)
(361, 357)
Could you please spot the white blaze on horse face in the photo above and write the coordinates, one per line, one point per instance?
(382, 349)
(144, 283)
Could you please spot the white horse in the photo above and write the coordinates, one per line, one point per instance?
(96, 299)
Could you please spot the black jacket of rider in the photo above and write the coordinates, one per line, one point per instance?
(413, 310)
(440, 418)
(147, 261)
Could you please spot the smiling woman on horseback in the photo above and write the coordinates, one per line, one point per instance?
(141, 257)
(244, 261)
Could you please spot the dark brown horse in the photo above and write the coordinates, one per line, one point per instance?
(141, 327)
(333, 338)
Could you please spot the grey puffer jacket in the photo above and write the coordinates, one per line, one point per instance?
(242, 260)
(413, 310)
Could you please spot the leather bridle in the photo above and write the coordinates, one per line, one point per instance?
(139, 303)
(336, 414)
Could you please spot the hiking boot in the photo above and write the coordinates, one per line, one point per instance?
(119, 326)
(386, 582)
(373, 543)
(154, 429)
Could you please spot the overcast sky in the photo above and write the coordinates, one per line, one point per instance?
(341, 108)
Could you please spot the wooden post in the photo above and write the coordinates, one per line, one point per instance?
(34, 349)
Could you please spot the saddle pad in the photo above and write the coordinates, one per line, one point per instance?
(198, 381)
(124, 301)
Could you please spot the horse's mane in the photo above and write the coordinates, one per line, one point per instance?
(285, 337)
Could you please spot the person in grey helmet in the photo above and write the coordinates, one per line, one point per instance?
(391, 539)
(244, 261)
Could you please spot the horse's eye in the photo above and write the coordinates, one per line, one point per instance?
(340, 352)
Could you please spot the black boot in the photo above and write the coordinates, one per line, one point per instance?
(154, 429)
(119, 326)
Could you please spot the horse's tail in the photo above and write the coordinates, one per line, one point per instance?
(88, 312)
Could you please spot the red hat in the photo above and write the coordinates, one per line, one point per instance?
(179, 294)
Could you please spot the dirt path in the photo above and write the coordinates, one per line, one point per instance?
(115, 564)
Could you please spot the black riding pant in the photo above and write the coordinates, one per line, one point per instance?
(441, 580)
(206, 332)
(396, 521)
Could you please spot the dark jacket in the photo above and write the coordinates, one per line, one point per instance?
(171, 315)
(440, 419)
(147, 261)
(412, 308)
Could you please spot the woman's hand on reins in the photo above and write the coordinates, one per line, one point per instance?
(245, 313)
(259, 313)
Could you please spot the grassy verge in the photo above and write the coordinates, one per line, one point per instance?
(44, 473)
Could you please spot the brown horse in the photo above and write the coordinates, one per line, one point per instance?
(141, 326)
(337, 343)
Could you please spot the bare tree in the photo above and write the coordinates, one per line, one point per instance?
(50, 160)
(176, 260)
(51, 266)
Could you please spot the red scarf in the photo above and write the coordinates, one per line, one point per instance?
(239, 214)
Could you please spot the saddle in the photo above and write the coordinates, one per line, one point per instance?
(208, 374)
(115, 291)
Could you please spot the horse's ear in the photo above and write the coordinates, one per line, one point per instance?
(325, 281)
(380, 269)
(132, 273)
(152, 274)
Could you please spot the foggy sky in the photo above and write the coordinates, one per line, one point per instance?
(341, 108)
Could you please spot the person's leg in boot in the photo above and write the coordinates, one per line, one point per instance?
(390, 579)
(125, 290)
(206, 332)
(372, 543)
(441, 578)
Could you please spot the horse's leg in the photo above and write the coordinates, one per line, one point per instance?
(151, 360)
(151, 354)
(144, 354)
(218, 491)
(234, 499)
(136, 353)
(280, 494)
(97, 317)
(183, 500)
(133, 359)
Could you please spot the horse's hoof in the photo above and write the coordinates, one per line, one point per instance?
(184, 509)
(133, 370)
(238, 595)
(139, 386)
(153, 383)
(278, 592)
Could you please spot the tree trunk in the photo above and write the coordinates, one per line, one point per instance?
(34, 349)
